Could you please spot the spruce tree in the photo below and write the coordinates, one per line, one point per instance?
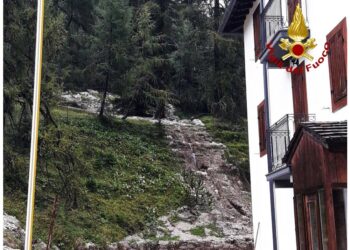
(146, 93)
(109, 45)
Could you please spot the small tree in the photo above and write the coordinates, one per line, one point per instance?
(197, 197)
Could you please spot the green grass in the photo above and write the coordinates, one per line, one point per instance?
(215, 231)
(198, 231)
(235, 137)
(123, 169)
(165, 237)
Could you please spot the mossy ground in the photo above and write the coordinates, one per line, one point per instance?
(198, 231)
(127, 176)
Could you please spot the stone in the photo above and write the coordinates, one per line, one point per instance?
(14, 235)
(89, 101)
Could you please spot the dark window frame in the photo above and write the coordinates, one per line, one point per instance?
(337, 64)
(305, 230)
(312, 233)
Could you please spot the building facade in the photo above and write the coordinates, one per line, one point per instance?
(296, 121)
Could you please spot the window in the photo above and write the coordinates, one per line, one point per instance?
(262, 128)
(299, 219)
(339, 201)
(257, 33)
(313, 222)
(337, 63)
(322, 206)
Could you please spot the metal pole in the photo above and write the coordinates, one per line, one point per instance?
(35, 125)
(268, 138)
(256, 237)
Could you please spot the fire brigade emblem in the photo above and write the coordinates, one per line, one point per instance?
(297, 33)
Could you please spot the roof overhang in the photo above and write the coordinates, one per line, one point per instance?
(282, 177)
(331, 135)
(234, 17)
(281, 174)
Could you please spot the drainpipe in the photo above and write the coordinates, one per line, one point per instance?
(268, 138)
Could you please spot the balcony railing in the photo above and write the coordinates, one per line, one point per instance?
(281, 133)
(275, 16)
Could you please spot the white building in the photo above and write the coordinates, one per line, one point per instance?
(278, 102)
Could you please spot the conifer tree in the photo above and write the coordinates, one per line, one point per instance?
(146, 93)
(109, 45)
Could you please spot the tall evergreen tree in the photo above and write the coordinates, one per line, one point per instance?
(146, 92)
(109, 44)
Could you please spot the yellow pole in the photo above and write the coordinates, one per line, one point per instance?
(35, 125)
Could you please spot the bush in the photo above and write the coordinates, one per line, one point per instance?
(197, 198)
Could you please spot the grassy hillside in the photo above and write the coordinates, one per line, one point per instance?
(122, 177)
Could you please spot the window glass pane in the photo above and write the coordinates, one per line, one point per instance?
(301, 229)
(313, 225)
(323, 220)
(339, 217)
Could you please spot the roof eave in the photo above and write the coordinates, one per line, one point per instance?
(235, 5)
(227, 15)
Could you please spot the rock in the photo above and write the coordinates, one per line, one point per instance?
(198, 122)
(9, 248)
(92, 92)
(170, 112)
(89, 101)
(39, 246)
(14, 235)
(87, 246)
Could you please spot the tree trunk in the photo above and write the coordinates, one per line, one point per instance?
(103, 103)
(216, 14)
(216, 49)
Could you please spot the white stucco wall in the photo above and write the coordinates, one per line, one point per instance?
(258, 165)
(280, 94)
(285, 219)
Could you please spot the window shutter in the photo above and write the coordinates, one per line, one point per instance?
(300, 103)
(262, 128)
(337, 63)
(257, 33)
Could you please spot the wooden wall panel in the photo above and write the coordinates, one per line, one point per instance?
(337, 164)
(307, 165)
